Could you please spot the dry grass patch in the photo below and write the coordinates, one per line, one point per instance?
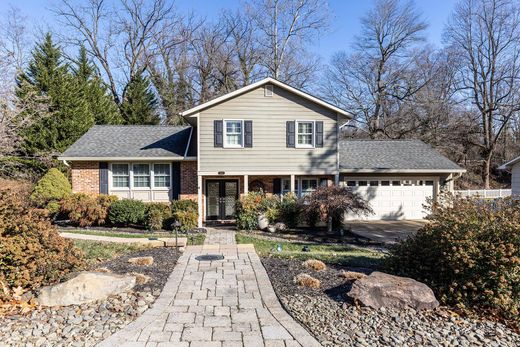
(304, 280)
(140, 278)
(315, 264)
(352, 276)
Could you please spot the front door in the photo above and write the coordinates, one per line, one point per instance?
(221, 196)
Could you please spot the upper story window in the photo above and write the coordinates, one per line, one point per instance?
(120, 176)
(305, 134)
(233, 133)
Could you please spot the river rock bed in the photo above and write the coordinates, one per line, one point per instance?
(88, 324)
(335, 321)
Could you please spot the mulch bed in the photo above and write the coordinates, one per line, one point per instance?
(164, 260)
(334, 320)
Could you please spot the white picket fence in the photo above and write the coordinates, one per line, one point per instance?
(485, 193)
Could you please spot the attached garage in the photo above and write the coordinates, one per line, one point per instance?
(397, 177)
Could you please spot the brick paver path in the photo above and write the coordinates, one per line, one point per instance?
(222, 236)
(223, 303)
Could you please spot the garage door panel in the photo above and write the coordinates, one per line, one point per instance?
(395, 202)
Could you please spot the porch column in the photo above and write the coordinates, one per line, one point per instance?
(199, 200)
(336, 179)
(293, 190)
(246, 184)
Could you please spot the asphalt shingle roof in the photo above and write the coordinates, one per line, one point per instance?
(141, 141)
(391, 155)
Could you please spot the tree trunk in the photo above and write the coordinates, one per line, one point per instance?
(486, 169)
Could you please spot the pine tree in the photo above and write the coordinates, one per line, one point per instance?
(139, 103)
(53, 108)
(100, 104)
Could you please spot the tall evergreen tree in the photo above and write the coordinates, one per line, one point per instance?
(53, 108)
(95, 93)
(139, 103)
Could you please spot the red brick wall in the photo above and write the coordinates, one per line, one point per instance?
(85, 177)
(188, 180)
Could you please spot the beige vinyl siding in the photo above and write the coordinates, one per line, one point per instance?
(515, 179)
(269, 152)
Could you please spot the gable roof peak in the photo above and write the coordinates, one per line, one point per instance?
(268, 80)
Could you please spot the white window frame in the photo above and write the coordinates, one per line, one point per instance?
(300, 179)
(111, 178)
(131, 177)
(169, 175)
(225, 144)
(286, 191)
(313, 134)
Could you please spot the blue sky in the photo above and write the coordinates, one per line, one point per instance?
(344, 24)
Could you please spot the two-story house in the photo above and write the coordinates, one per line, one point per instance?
(267, 136)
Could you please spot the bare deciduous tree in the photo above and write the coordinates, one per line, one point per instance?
(381, 75)
(285, 27)
(486, 36)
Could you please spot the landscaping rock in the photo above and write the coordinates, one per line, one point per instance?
(147, 261)
(84, 288)
(263, 222)
(383, 290)
(140, 278)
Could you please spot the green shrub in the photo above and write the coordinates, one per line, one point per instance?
(32, 253)
(186, 212)
(468, 253)
(50, 189)
(289, 210)
(127, 212)
(86, 210)
(156, 215)
(250, 206)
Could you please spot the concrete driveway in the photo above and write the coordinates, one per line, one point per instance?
(385, 231)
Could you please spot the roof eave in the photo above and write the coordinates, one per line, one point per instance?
(440, 171)
(74, 158)
(509, 164)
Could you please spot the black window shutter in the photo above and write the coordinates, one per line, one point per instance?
(176, 180)
(277, 186)
(103, 177)
(248, 133)
(319, 134)
(218, 133)
(290, 134)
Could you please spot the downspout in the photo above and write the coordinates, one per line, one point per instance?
(65, 163)
(336, 177)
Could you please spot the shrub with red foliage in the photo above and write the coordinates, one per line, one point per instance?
(32, 253)
(86, 210)
(331, 203)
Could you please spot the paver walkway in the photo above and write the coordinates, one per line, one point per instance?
(220, 236)
(223, 303)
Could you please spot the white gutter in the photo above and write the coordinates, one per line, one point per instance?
(126, 158)
(402, 171)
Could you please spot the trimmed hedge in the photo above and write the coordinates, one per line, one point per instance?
(127, 212)
(157, 215)
(186, 212)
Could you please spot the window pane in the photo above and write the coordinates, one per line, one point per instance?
(305, 128)
(305, 139)
(161, 169)
(120, 181)
(385, 183)
(429, 183)
(234, 139)
(162, 181)
(141, 181)
(396, 183)
(120, 169)
(351, 183)
(374, 183)
(234, 126)
(141, 169)
(362, 183)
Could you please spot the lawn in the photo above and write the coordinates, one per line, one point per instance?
(328, 253)
(101, 251)
(193, 239)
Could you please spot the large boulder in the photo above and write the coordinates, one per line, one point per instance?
(86, 287)
(384, 290)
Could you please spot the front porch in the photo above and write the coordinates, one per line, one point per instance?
(217, 194)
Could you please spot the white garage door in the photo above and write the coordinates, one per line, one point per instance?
(393, 199)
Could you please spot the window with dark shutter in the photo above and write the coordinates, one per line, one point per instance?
(248, 133)
(218, 133)
(290, 130)
(319, 134)
(176, 180)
